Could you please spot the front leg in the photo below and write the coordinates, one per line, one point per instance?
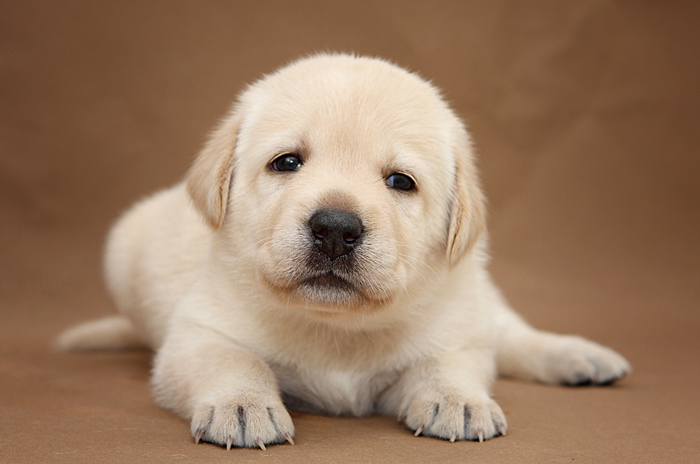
(448, 397)
(228, 393)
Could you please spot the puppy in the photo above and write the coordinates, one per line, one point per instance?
(326, 252)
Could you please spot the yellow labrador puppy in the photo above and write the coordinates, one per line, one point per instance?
(326, 252)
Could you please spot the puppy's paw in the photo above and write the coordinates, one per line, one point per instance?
(576, 361)
(250, 421)
(455, 418)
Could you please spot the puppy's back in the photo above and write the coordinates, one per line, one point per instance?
(153, 256)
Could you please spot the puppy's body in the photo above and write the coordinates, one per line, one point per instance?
(386, 306)
(325, 364)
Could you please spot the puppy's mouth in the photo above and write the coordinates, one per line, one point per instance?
(327, 290)
(330, 287)
(330, 281)
(327, 282)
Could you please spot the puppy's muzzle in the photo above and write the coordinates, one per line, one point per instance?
(335, 232)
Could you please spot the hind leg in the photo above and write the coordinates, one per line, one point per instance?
(530, 354)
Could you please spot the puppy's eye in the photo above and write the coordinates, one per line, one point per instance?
(286, 162)
(400, 181)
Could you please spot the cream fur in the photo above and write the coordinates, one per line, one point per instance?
(210, 272)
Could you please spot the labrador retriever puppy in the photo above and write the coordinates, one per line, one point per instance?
(327, 252)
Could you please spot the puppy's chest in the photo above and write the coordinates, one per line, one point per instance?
(327, 391)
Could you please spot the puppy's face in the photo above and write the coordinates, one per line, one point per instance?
(348, 189)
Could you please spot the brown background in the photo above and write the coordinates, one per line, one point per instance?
(585, 115)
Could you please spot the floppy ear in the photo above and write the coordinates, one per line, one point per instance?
(209, 178)
(468, 207)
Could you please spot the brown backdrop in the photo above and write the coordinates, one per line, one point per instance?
(585, 115)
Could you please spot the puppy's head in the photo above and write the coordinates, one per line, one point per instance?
(340, 184)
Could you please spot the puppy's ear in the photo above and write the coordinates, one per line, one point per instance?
(209, 178)
(468, 207)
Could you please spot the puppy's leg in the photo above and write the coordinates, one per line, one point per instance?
(229, 394)
(530, 354)
(448, 397)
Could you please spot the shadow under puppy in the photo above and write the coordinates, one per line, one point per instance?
(327, 247)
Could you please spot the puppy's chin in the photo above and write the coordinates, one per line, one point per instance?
(327, 293)
(329, 289)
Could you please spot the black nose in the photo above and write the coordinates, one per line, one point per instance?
(336, 233)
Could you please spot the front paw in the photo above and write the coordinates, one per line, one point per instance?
(576, 361)
(250, 420)
(452, 417)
